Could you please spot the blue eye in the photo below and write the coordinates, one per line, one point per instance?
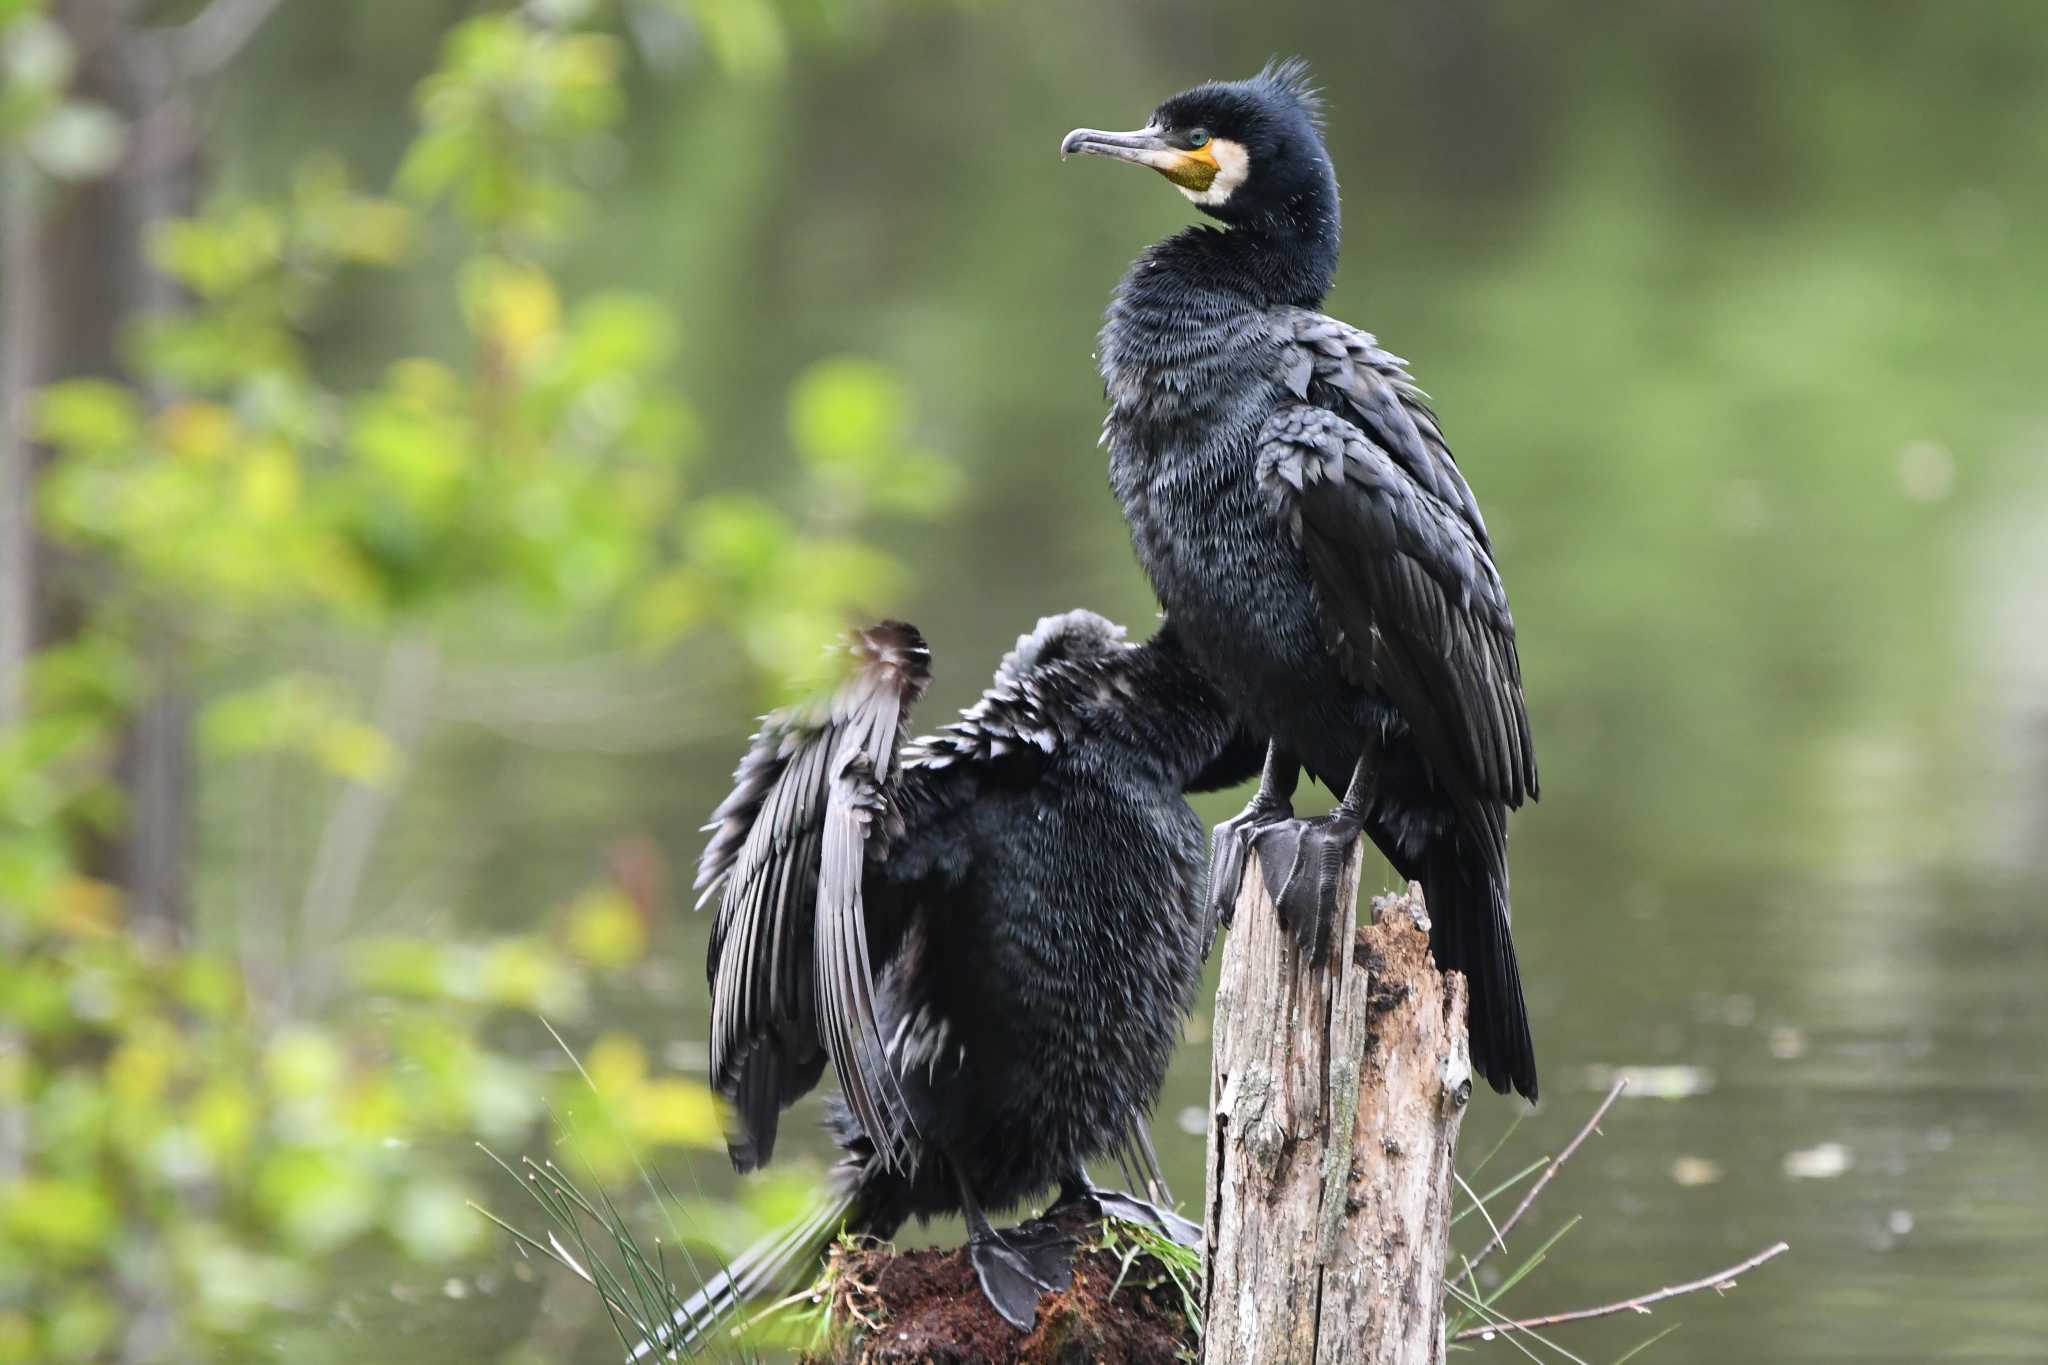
(1198, 138)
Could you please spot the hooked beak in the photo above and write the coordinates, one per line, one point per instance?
(1191, 170)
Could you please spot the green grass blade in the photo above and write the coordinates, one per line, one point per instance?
(1643, 1346)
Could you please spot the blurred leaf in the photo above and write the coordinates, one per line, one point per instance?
(524, 974)
(222, 251)
(318, 1199)
(17, 1338)
(81, 1324)
(194, 429)
(746, 36)
(331, 221)
(737, 538)
(86, 907)
(270, 483)
(78, 140)
(616, 1065)
(224, 1115)
(671, 605)
(141, 1068)
(302, 1062)
(605, 929)
(36, 55)
(915, 483)
(433, 1220)
(504, 116)
(502, 1099)
(511, 306)
(62, 1219)
(359, 753)
(236, 1285)
(209, 987)
(676, 1113)
(303, 714)
(402, 966)
(89, 415)
(847, 412)
(616, 332)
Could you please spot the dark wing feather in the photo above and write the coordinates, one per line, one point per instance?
(1400, 557)
(791, 983)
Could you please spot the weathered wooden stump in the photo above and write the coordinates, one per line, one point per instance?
(1336, 1092)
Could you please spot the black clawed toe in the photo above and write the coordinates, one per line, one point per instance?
(1014, 1274)
(1236, 836)
(1303, 864)
(1229, 845)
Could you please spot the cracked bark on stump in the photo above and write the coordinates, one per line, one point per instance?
(1336, 1093)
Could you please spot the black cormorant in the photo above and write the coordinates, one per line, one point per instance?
(993, 932)
(1293, 499)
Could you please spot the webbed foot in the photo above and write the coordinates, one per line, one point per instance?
(1017, 1265)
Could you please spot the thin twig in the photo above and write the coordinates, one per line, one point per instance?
(1500, 1238)
(218, 33)
(1720, 1280)
(349, 837)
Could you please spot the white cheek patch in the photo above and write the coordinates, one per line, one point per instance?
(1233, 164)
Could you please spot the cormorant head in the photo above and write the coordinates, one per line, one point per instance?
(1247, 151)
(1075, 637)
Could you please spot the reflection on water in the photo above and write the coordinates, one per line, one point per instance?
(1738, 337)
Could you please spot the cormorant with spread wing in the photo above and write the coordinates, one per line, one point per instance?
(1292, 497)
(993, 933)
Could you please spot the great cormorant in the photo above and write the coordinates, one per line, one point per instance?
(1292, 497)
(993, 932)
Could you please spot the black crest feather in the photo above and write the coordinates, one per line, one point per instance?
(1290, 76)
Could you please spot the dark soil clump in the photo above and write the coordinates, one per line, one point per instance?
(925, 1308)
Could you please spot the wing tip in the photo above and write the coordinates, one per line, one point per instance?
(894, 647)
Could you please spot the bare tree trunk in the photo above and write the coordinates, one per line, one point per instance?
(1336, 1094)
(20, 303)
(86, 277)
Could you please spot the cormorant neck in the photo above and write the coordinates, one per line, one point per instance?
(1292, 252)
(1287, 256)
(1182, 721)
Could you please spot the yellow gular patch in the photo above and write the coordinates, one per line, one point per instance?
(1193, 170)
(1231, 162)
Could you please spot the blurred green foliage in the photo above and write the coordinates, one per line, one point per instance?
(191, 1143)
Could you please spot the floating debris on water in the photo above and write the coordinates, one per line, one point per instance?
(1695, 1170)
(1823, 1162)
